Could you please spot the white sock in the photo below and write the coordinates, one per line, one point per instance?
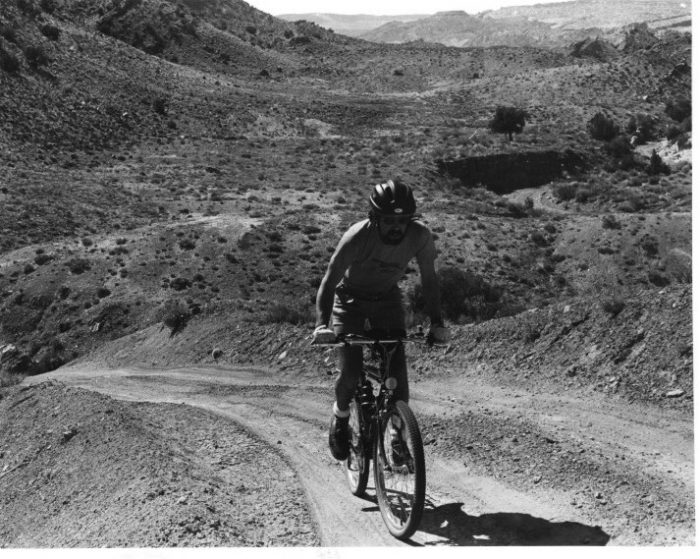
(340, 413)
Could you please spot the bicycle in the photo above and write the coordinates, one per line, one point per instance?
(385, 431)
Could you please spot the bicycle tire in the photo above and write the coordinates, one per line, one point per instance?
(357, 463)
(400, 490)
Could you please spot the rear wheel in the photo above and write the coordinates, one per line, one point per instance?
(357, 463)
(399, 471)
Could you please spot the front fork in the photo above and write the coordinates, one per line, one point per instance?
(382, 410)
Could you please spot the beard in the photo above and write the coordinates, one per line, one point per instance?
(393, 237)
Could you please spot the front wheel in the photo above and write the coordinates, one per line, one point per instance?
(357, 463)
(399, 471)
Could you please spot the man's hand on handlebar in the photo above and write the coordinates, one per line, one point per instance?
(323, 335)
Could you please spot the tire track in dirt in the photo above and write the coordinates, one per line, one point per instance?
(294, 417)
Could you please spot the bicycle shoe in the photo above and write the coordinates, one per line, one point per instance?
(338, 437)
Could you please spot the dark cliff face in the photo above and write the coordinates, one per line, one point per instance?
(504, 173)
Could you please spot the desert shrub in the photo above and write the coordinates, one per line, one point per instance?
(8, 61)
(642, 127)
(683, 140)
(600, 127)
(49, 357)
(463, 296)
(10, 379)
(657, 166)
(633, 203)
(619, 146)
(658, 279)
(300, 40)
(565, 192)
(179, 284)
(8, 32)
(290, 313)
(679, 265)
(537, 238)
(612, 306)
(49, 6)
(175, 313)
(251, 29)
(620, 149)
(508, 120)
(36, 56)
(650, 246)
(583, 195)
(160, 105)
(530, 332)
(517, 210)
(672, 132)
(51, 32)
(187, 244)
(611, 222)
(78, 265)
(28, 8)
(679, 109)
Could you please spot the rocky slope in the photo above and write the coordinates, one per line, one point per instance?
(172, 184)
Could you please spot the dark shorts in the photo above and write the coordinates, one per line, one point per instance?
(355, 315)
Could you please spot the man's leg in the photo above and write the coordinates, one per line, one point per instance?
(350, 366)
(350, 361)
(399, 371)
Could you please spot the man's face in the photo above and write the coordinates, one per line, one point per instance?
(393, 228)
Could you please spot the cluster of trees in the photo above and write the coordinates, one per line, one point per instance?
(640, 129)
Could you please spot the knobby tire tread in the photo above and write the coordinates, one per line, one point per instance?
(358, 486)
(415, 442)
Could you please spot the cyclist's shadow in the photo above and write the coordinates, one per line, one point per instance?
(504, 528)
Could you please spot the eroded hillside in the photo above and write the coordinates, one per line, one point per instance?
(188, 177)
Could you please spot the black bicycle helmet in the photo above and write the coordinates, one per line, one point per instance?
(393, 198)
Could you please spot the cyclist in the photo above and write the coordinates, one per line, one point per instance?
(360, 292)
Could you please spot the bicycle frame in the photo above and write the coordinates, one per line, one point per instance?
(377, 369)
(399, 469)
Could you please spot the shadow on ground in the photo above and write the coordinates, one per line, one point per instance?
(504, 528)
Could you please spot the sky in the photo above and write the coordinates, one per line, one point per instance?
(384, 7)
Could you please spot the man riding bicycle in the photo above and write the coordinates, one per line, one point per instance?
(360, 292)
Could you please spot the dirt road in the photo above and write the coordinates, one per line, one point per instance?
(504, 467)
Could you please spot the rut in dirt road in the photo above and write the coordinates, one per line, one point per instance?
(483, 497)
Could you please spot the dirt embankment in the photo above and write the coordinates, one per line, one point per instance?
(81, 469)
(619, 346)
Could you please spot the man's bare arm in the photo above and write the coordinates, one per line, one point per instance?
(326, 291)
(431, 290)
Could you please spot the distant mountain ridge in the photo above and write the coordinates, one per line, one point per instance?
(557, 24)
(605, 14)
(352, 25)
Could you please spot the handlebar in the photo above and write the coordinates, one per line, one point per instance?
(359, 340)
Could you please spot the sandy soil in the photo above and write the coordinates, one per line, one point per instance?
(505, 466)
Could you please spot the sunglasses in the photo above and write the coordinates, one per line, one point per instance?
(391, 220)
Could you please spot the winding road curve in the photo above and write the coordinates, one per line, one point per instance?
(462, 508)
